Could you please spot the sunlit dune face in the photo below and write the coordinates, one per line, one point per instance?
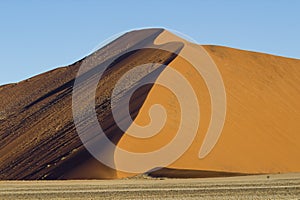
(262, 110)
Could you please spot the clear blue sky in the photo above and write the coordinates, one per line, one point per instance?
(37, 36)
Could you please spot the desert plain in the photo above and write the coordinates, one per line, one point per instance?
(273, 186)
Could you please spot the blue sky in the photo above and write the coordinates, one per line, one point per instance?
(37, 36)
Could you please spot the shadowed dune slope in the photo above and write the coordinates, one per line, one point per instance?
(260, 134)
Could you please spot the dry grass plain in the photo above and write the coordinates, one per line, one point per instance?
(279, 186)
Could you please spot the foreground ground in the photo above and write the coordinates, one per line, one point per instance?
(284, 186)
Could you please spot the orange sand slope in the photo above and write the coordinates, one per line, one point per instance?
(261, 126)
(261, 130)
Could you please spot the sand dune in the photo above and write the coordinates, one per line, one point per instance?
(260, 133)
